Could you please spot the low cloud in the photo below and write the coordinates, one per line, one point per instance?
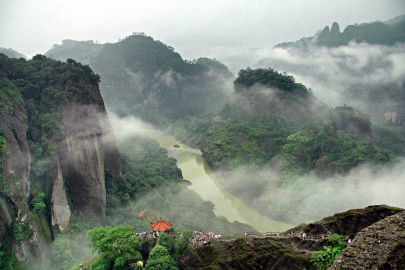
(334, 74)
(311, 198)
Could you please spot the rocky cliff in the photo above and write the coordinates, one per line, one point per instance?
(379, 246)
(349, 223)
(378, 231)
(56, 143)
(246, 253)
(15, 215)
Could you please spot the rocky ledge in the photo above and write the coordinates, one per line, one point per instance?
(379, 246)
(349, 223)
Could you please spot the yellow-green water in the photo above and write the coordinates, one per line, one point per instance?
(204, 182)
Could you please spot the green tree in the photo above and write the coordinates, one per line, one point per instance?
(166, 241)
(159, 259)
(62, 253)
(39, 202)
(325, 258)
(117, 246)
(180, 245)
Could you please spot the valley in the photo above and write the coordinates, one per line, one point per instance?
(294, 161)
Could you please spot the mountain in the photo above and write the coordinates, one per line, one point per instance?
(52, 166)
(383, 33)
(12, 53)
(139, 71)
(62, 173)
(265, 122)
(356, 67)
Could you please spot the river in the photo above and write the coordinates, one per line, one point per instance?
(204, 182)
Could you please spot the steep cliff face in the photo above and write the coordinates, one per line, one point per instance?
(56, 142)
(82, 160)
(15, 215)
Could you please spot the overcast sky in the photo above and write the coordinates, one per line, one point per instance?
(218, 28)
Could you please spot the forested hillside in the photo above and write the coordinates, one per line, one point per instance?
(60, 177)
(265, 121)
(357, 67)
(139, 72)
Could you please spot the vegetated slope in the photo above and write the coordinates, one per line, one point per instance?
(269, 122)
(383, 33)
(52, 164)
(374, 43)
(140, 73)
(271, 114)
(279, 140)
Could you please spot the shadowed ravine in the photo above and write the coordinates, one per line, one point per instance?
(199, 173)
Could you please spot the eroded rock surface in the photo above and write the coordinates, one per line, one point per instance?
(379, 246)
(247, 253)
(349, 223)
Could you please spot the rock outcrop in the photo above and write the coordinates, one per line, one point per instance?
(14, 175)
(59, 126)
(61, 209)
(349, 223)
(82, 160)
(247, 253)
(379, 246)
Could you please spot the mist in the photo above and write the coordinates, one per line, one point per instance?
(311, 198)
(336, 75)
(194, 29)
(303, 199)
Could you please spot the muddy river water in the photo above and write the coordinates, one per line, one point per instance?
(204, 182)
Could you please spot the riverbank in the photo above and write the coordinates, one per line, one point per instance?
(204, 182)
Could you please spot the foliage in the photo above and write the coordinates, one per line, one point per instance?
(7, 261)
(62, 257)
(180, 246)
(160, 259)
(39, 202)
(22, 231)
(117, 246)
(166, 241)
(246, 142)
(178, 87)
(324, 258)
(144, 166)
(332, 146)
(270, 78)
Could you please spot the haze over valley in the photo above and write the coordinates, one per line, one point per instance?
(286, 134)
